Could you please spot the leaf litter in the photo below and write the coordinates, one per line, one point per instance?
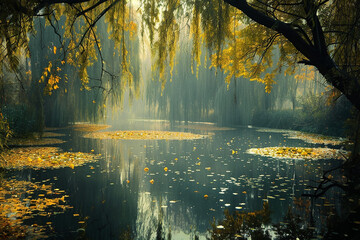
(312, 138)
(144, 135)
(89, 127)
(299, 152)
(43, 157)
(315, 138)
(35, 141)
(205, 127)
(24, 200)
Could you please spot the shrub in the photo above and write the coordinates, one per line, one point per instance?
(20, 118)
(5, 131)
(315, 115)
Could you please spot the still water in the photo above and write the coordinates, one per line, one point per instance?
(115, 194)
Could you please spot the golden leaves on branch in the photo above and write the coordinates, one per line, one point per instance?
(43, 157)
(144, 135)
(299, 153)
(51, 77)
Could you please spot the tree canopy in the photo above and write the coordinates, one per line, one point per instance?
(242, 35)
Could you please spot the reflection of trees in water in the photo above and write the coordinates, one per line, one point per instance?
(298, 223)
(345, 224)
(159, 220)
(126, 161)
(111, 192)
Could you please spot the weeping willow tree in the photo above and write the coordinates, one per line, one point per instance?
(320, 33)
(240, 35)
(76, 57)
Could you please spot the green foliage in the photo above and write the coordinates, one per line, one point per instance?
(319, 117)
(283, 119)
(20, 119)
(314, 116)
(5, 132)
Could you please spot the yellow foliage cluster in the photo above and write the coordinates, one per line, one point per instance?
(167, 40)
(51, 75)
(144, 135)
(197, 37)
(248, 54)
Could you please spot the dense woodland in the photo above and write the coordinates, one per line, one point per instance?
(268, 63)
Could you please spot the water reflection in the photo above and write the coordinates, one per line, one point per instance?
(115, 195)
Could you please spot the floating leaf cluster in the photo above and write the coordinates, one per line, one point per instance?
(10, 231)
(89, 127)
(205, 127)
(52, 134)
(22, 200)
(299, 152)
(307, 137)
(33, 142)
(144, 135)
(43, 157)
(273, 130)
(315, 138)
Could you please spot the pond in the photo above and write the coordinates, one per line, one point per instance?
(177, 186)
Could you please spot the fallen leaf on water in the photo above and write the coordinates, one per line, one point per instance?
(205, 127)
(299, 152)
(43, 157)
(33, 141)
(315, 138)
(89, 127)
(15, 208)
(139, 135)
